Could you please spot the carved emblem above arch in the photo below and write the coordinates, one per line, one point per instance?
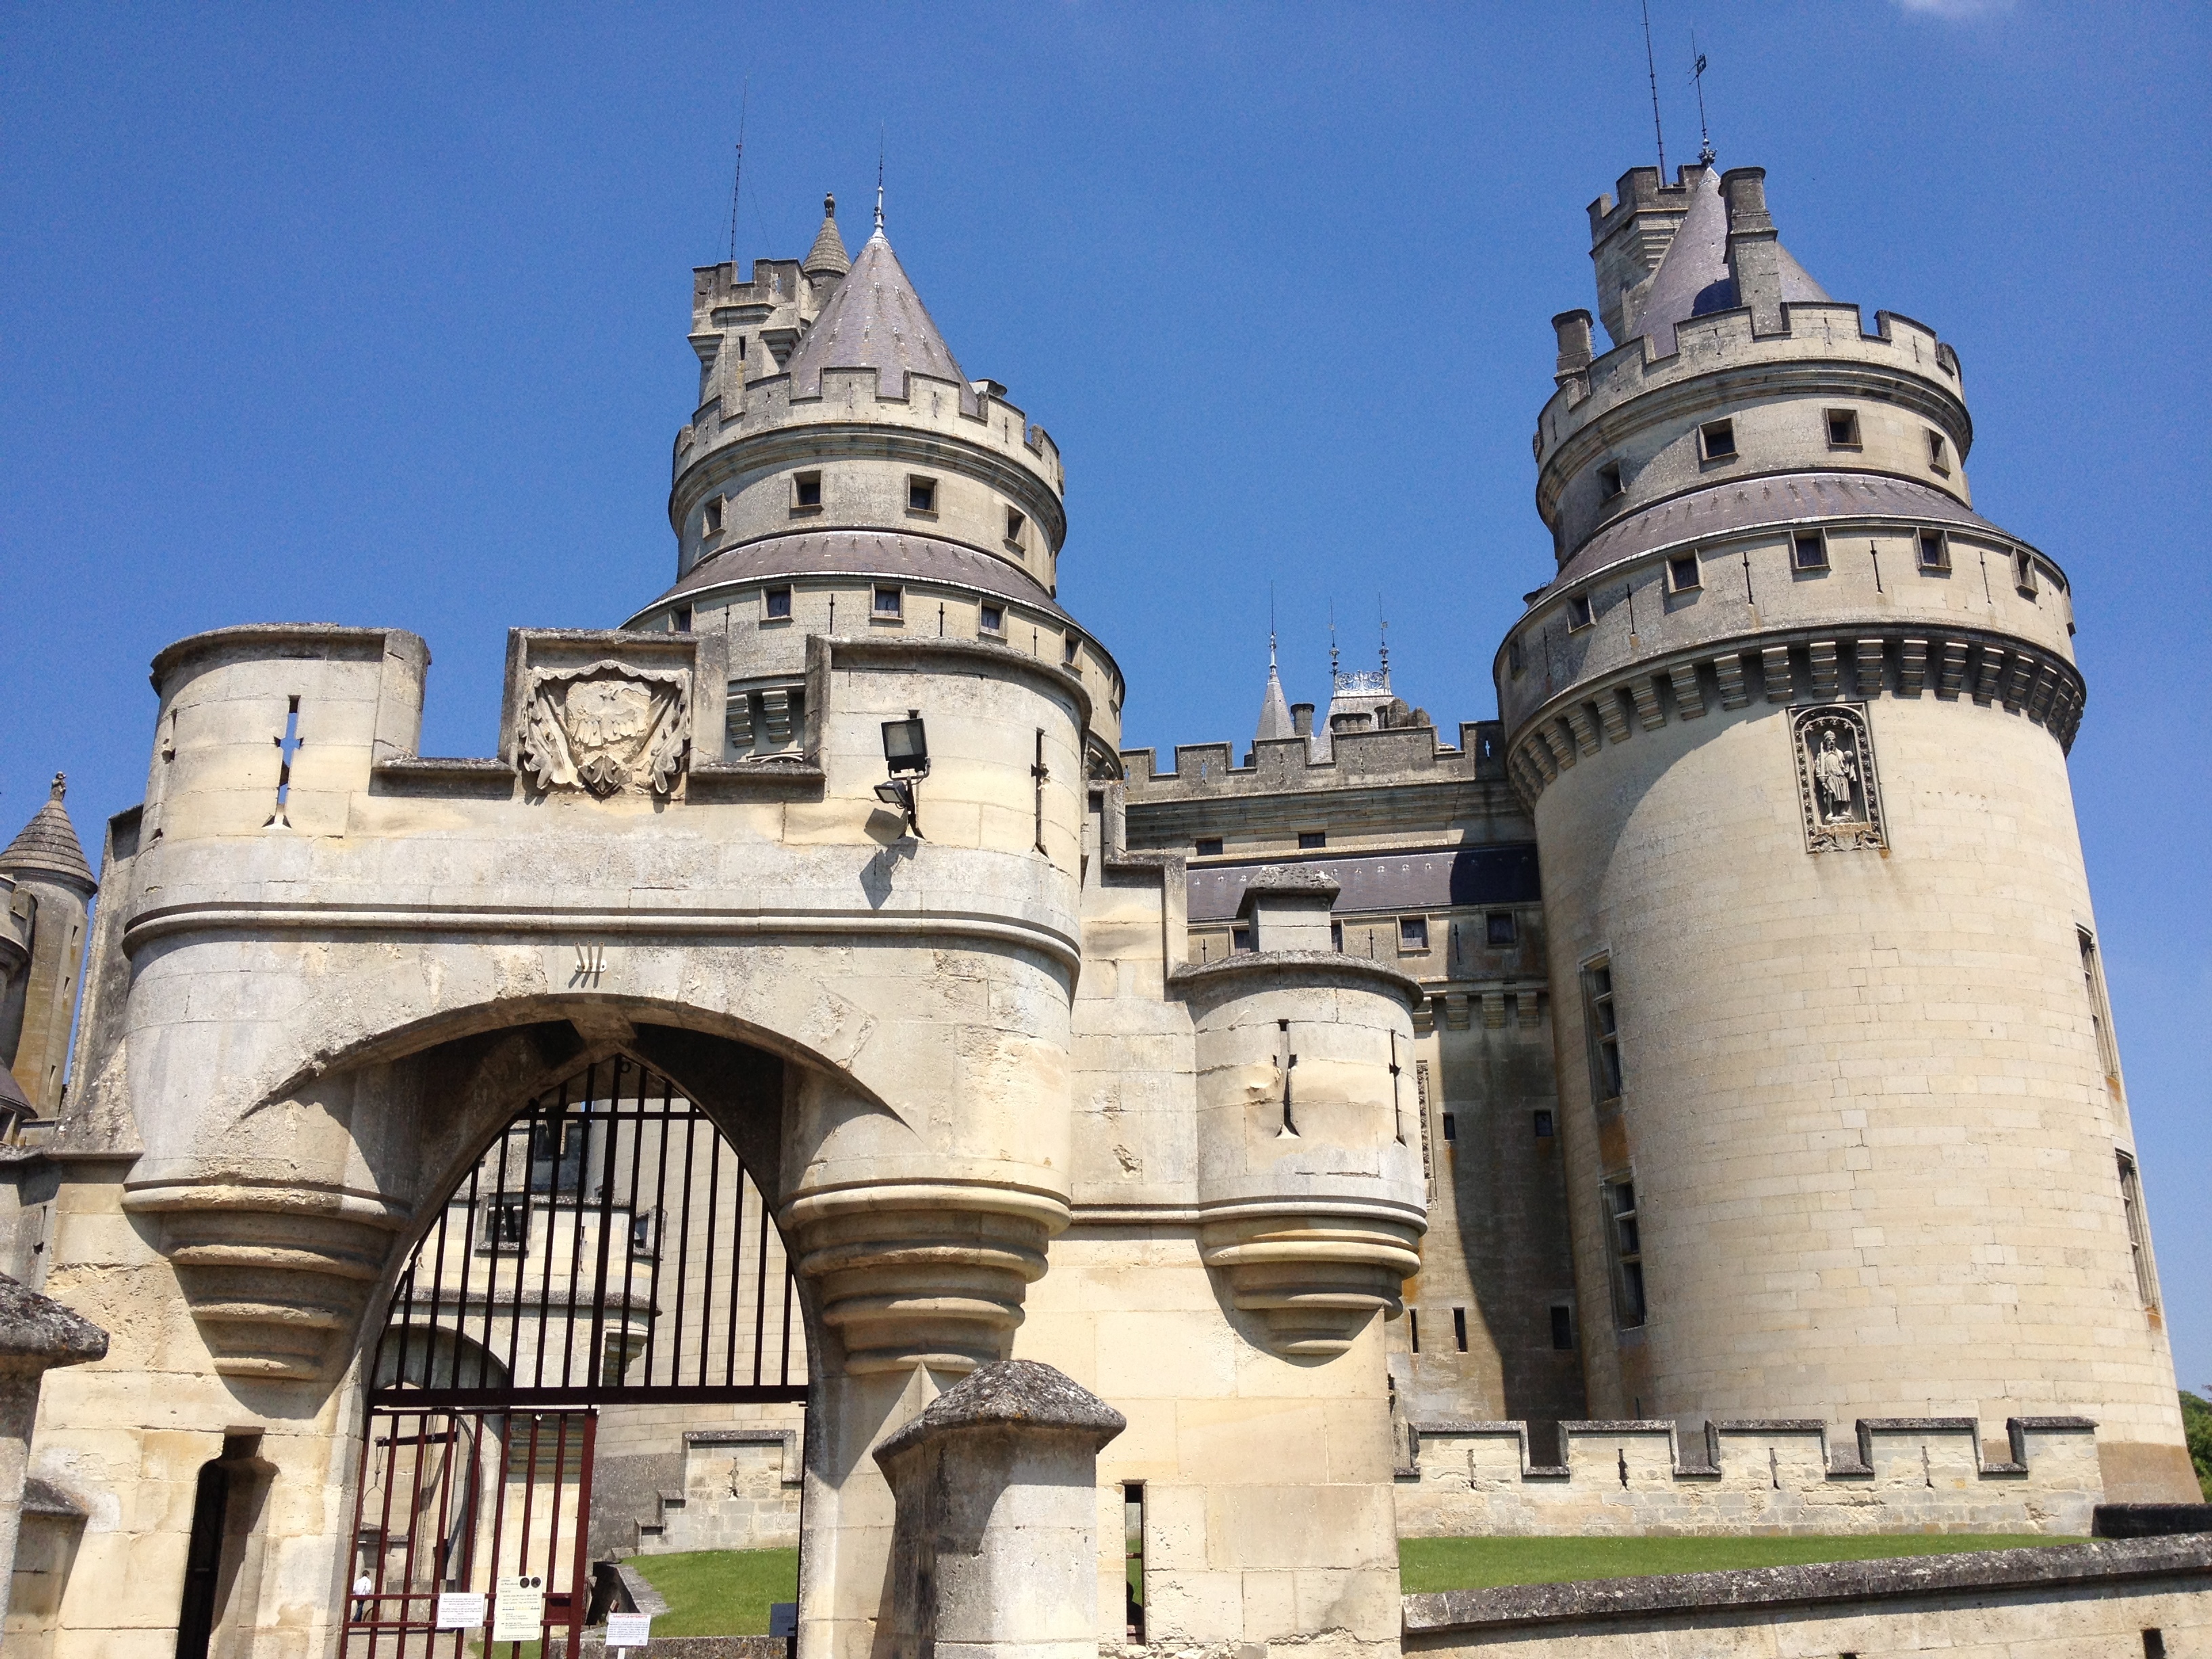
(605, 727)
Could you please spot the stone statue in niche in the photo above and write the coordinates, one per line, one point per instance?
(1836, 785)
(605, 728)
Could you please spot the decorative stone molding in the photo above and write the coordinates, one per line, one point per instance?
(922, 1272)
(1315, 1273)
(272, 1275)
(1992, 670)
(605, 727)
(1779, 1475)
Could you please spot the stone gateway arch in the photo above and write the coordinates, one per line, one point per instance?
(809, 1084)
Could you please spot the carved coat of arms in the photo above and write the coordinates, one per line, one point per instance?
(605, 728)
(1836, 785)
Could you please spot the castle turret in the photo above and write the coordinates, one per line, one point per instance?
(1847, 1128)
(47, 888)
(843, 476)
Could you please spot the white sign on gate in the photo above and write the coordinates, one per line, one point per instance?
(519, 1612)
(629, 1629)
(460, 1609)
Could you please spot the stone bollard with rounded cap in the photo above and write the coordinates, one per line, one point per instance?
(994, 1552)
(36, 1335)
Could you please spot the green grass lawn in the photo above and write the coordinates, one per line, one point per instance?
(719, 1592)
(1441, 1564)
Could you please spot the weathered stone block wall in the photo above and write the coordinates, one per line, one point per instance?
(1631, 1480)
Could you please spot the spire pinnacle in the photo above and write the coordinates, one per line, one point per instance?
(880, 183)
(60, 787)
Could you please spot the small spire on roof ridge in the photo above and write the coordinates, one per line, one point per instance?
(59, 786)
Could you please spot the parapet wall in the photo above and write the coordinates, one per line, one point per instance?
(1623, 1478)
(1392, 755)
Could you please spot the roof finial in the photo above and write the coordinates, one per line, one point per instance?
(1386, 638)
(1271, 627)
(60, 786)
(737, 178)
(1651, 68)
(1332, 641)
(880, 134)
(1697, 76)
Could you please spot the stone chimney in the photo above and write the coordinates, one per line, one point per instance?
(1302, 715)
(1287, 908)
(1573, 328)
(1753, 251)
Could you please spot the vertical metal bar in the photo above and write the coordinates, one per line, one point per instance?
(760, 1292)
(736, 1270)
(414, 1519)
(453, 1439)
(499, 1508)
(707, 1266)
(500, 1198)
(437, 1285)
(552, 1207)
(660, 1233)
(629, 1208)
(582, 1124)
(529, 1499)
(553, 1533)
(384, 1523)
(468, 1271)
(359, 1499)
(606, 1229)
(579, 1603)
(789, 1285)
(683, 1250)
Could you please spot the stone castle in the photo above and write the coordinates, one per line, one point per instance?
(1685, 1103)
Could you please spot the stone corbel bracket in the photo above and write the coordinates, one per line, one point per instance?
(273, 1275)
(923, 1273)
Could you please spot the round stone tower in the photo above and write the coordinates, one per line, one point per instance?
(1847, 1130)
(842, 475)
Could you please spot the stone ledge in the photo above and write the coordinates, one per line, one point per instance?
(37, 1333)
(1520, 1606)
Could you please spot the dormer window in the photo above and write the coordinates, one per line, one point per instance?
(1716, 440)
(1939, 454)
(1578, 613)
(1015, 525)
(713, 515)
(920, 493)
(1609, 486)
(806, 493)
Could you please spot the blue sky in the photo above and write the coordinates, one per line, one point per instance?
(376, 315)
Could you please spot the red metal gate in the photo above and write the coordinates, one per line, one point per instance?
(452, 1503)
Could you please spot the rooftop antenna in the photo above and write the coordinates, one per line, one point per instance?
(1697, 77)
(880, 133)
(745, 100)
(1651, 68)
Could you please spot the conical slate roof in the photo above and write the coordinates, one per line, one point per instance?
(828, 255)
(874, 319)
(49, 842)
(1274, 711)
(1694, 280)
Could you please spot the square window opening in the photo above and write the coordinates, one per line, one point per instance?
(1808, 550)
(1500, 928)
(1069, 650)
(992, 619)
(713, 517)
(1939, 454)
(921, 495)
(1682, 574)
(776, 605)
(2023, 572)
(1309, 840)
(1413, 933)
(1240, 941)
(1843, 429)
(1545, 1126)
(806, 492)
(1608, 482)
(1578, 613)
(679, 620)
(1935, 550)
(1206, 846)
(1716, 440)
(891, 603)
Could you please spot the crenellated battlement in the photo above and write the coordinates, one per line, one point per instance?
(1390, 756)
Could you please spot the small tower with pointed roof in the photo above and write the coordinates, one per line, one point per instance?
(47, 888)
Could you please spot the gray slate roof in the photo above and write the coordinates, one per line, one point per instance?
(1370, 882)
(49, 842)
(867, 553)
(874, 319)
(1752, 503)
(828, 253)
(1274, 710)
(1694, 279)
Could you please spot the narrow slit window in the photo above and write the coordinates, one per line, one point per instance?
(776, 605)
(1451, 1126)
(1843, 429)
(1808, 550)
(1412, 934)
(288, 755)
(2023, 572)
(1562, 1326)
(1682, 574)
(992, 619)
(1071, 648)
(1627, 1243)
(645, 1233)
(2100, 1011)
(921, 495)
(1604, 1031)
(891, 603)
(1413, 1327)
(1336, 937)
(1935, 550)
(1578, 613)
(713, 517)
(1206, 846)
(1015, 525)
(1939, 454)
(1608, 482)
(1133, 1553)
(1716, 440)
(1515, 661)
(1500, 929)
(1459, 1329)
(2138, 1234)
(806, 492)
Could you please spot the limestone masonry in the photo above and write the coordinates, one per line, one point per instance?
(1686, 1102)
